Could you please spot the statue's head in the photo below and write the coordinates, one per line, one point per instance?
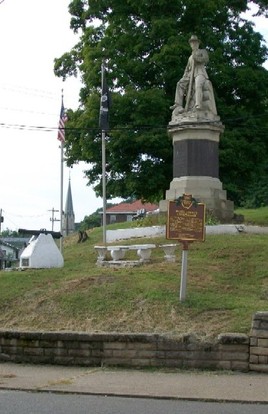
(194, 41)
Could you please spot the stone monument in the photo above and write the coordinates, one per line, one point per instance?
(195, 129)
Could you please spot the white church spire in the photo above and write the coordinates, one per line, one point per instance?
(68, 216)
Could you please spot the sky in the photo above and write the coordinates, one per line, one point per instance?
(32, 34)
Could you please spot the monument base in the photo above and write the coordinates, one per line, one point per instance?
(207, 190)
(195, 138)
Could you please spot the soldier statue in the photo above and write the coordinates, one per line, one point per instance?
(194, 91)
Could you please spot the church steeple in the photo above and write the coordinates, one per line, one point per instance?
(68, 216)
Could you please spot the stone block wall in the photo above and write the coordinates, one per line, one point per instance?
(229, 351)
(258, 360)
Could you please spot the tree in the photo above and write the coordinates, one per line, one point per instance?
(145, 45)
(10, 233)
(93, 220)
(89, 222)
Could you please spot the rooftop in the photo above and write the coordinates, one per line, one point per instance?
(131, 208)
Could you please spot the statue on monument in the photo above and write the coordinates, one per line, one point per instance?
(194, 91)
(195, 130)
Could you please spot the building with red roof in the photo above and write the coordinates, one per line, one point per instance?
(126, 211)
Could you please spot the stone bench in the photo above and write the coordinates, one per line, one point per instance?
(144, 251)
(169, 250)
(101, 250)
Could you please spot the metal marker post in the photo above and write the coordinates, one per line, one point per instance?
(184, 262)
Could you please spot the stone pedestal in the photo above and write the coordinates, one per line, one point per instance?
(196, 164)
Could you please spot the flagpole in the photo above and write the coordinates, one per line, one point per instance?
(61, 138)
(61, 195)
(104, 125)
(103, 152)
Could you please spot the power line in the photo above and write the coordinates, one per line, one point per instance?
(23, 90)
(27, 127)
(24, 215)
(7, 109)
(234, 122)
(9, 216)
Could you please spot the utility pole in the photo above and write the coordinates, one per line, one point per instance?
(52, 218)
(1, 219)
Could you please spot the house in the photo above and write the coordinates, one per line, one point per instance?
(8, 254)
(126, 211)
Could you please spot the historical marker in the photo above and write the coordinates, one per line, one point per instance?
(186, 219)
(186, 223)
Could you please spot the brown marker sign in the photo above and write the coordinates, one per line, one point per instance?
(186, 219)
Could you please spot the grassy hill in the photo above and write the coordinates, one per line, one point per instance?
(227, 283)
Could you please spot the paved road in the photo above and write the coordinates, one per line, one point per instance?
(23, 402)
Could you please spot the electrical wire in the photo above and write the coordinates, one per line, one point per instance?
(21, 216)
(233, 122)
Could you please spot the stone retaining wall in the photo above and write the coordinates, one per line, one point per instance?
(237, 352)
(258, 360)
(130, 350)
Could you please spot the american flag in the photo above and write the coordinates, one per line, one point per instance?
(62, 121)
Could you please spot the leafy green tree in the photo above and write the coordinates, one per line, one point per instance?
(10, 233)
(91, 221)
(145, 46)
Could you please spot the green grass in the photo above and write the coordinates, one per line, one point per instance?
(227, 282)
(257, 216)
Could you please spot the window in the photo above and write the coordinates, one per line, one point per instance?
(25, 262)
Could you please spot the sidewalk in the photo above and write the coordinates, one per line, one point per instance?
(188, 385)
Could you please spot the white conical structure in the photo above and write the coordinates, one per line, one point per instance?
(41, 252)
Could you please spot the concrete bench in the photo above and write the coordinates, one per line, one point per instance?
(169, 250)
(118, 252)
(144, 251)
(101, 250)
